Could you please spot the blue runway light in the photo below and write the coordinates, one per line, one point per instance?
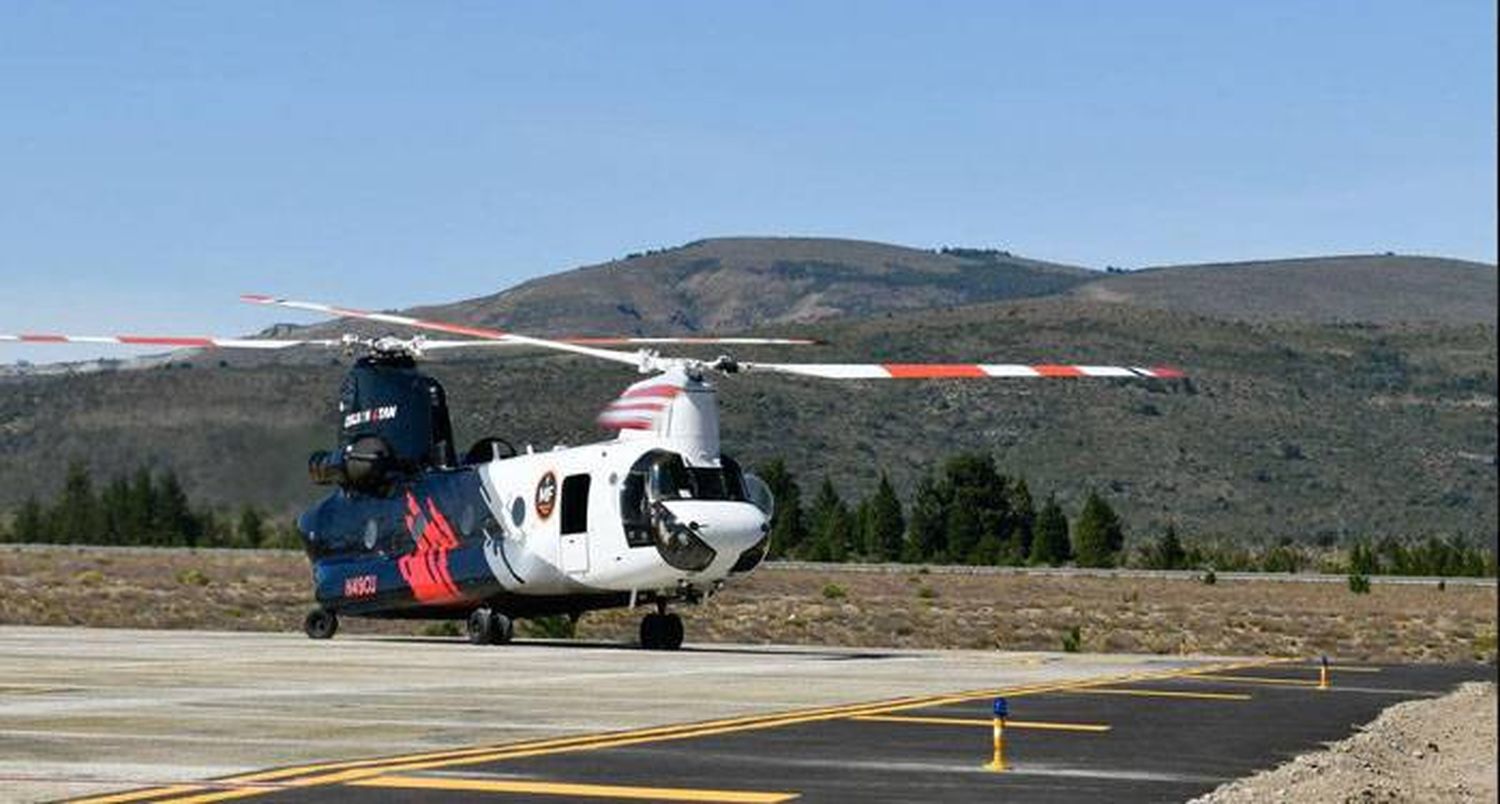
(1002, 708)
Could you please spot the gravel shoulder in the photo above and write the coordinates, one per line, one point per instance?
(1443, 749)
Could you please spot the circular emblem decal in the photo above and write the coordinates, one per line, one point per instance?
(546, 495)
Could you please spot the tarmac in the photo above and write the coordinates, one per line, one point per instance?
(122, 715)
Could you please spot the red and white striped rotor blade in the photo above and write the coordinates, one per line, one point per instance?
(482, 333)
(619, 341)
(176, 342)
(955, 371)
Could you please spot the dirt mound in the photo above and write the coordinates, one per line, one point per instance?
(1433, 750)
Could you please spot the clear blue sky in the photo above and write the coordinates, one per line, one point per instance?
(156, 159)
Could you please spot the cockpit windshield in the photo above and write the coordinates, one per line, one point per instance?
(660, 476)
(668, 478)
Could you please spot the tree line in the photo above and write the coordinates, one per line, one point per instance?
(141, 508)
(968, 512)
(965, 513)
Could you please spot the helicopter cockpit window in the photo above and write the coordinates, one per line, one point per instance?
(663, 477)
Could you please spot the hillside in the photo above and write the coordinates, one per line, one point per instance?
(1367, 288)
(735, 284)
(1285, 428)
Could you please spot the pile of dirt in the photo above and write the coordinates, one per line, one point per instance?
(1433, 750)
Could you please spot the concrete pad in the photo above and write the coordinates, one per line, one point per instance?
(85, 711)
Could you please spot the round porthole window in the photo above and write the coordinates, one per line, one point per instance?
(372, 533)
(518, 511)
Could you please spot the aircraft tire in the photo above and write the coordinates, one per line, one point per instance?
(651, 631)
(661, 632)
(320, 624)
(502, 629)
(480, 627)
(671, 632)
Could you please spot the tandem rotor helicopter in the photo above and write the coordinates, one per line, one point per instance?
(656, 516)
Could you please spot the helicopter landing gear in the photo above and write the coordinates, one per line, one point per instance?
(661, 631)
(320, 624)
(489, 627)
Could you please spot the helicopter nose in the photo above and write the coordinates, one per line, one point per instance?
(730, 528)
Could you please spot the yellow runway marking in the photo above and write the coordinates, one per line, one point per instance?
(568, 789)
(1344, 668)
(974, 721)
(349, 771)
(1206, 696)
(1294, 682)
(137, 795)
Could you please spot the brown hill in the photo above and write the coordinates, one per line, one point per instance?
(739, 283)
(1370, 288)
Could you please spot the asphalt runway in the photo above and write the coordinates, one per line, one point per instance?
(181, 716)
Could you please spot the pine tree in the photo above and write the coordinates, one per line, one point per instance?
(978, 508)
(173, 520)
(251, 531)
(31, 523)
(788, 524)
(885, 526)
(1098, 537)
(1023, 523)
(832, 525)
(1168, 553)
(77, 517)
(1051, 544)
(926, 539)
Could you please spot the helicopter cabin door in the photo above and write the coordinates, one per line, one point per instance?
(575, 524)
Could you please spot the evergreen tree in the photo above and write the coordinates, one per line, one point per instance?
(926, 538)
(138, 520)
(174, 522)
(977, 511)
(788, 524)
(1023, 523)
(251, 532)
(77, 517)
(1168, 553)
(832, 525)
(1050, 544)
(885, 526)
(1098, 536)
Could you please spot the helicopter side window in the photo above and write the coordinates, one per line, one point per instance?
(575, 504)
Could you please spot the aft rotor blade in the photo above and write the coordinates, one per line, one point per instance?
(616, 341)
(954, 371)
(177, 342)
(483, 333)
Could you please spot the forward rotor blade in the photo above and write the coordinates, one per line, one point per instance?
(160, 340)
(629, 358)
(953, 371)
(616, 341)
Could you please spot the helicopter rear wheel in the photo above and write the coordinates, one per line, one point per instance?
(479, 627)
(502, 629)
(320, 624)
(661, 632)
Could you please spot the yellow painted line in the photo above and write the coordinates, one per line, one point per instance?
(349, 771)
(974, 721)
(1205, 696)
(138, 795)
(221, 795)
(1348, 668)
(521, 787)
(1294, 682)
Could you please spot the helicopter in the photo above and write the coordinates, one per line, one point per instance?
(654, 517)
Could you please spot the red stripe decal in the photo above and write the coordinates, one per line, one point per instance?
(1167, 372)
(615, 407)
(1058, 371)
(664, 391)
(931, 371)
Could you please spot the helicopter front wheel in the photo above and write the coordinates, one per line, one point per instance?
(320, 624)
(488, 627)
(661, 632)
